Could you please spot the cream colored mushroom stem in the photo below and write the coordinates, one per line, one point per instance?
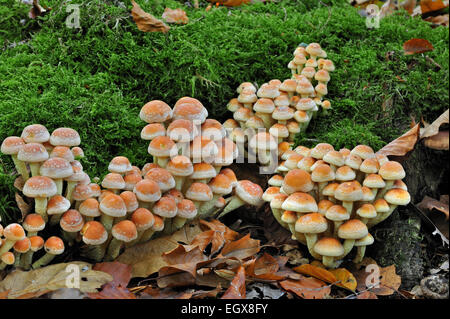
(361, 250)
(235, 203)
(43, 261)
(113, 249)
(26, 260)
(69, 191)
(383, 191)
(207, 206)
(348, 206)
(146, 235)
(40, 207)
(381, 216)
(329, 262)
(311, 240)
(277, 214)
(21, 167)
(35, 169)
(348, 246)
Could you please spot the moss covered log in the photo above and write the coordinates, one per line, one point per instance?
(96, 78)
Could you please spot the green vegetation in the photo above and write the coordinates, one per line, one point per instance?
(96, 78)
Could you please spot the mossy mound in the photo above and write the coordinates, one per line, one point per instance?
(96, 78)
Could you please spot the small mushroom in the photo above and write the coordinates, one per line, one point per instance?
(53, 246)
(123, 232)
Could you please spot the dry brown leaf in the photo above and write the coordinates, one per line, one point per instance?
(316, 272)
(366, 295)
(433, 128)
(147, 259)
(265, 267)
(403, 144)
(166, 293)
(116, 289)
(429, 203)
(307, 288)
(34, 283)
(415, 46)
(345, 277)
(228, 234)
(431, 5)
(387, 8)
(389, 281)
(241, 248)
(24, 208)
(409, 5)
(19, 183)
(146, 22)
(177, 16)
(439, 20)
(237, 286)
(37, 10)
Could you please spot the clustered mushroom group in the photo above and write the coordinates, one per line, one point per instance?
(329, 199)
(186, 180)
(283, 108)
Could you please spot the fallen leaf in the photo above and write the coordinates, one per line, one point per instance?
(241, 248)
(19, 183)
(389, 280)
(386, 284)
(439, 20)
(307, 288)
(345, 277)
(403, 144)
(237, 286)
(23, 206)
(429, 203)
(147, 258)
(230, 3)
(228, 234)
(146, 22)
(415, 46)
(34, 283)
(166, 293)
(116, 289)
(316, 272)
(409, 5)
(265, 267)
(366, 295)
(433, 128)
(432, 5)
(177, 16)
(387, 9)
(37, 10)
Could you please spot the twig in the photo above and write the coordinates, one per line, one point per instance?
(433, 62)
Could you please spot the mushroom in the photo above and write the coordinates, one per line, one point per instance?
(81, 193)
(114, 182)
(233, 105)
(311, 225)
(366, 212)
(57, 169)
(143, 219)
(220, 186)
(202, 173)
(361, 245)
(65, 136)
(71, 223)
(246, 192)
(119, 165)
(20, 248)
(247, 98)
(11, 146)
(158, 226)
(191, 109)
(345, 174)
(74, 179)
(199, 193)
(162, 177)
(374, 182)
(95, 235)
(130, 200)
(34, 154)
(329, 249)
(290, 217)
(77, 152)
(155, 111)
(322, 174)
(111, 206)
(390, 172)
(153, 130)
(335, 159)
(7, 259)
(130, 179)
(314, 50)
(56, 206)
(147, 193)
(363, 151)
(275, 205)
(89, 208)
(53, 246)
(282, 114)
(161, 148)
(62, 152)
(348, 193)
(395, 197)
(264, 144)
(36, 244)
(350, 231)
(180, 167)
(276, 180)
(123, 232)
(329, 191)
(185, 210)
(337, 214)
(33, 223)
(40, 188)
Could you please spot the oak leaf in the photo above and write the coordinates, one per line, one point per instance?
(415, 46)
(146, 22)
(307, 288)
(237, 286)
(403, 144)
(176, 16)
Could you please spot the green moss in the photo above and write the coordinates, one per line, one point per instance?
(95, 79)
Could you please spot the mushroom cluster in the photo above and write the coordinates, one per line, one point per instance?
(329, 199)
(192, 151)
(51, 172)
(282, 108)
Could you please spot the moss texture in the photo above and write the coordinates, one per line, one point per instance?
(96, 78)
